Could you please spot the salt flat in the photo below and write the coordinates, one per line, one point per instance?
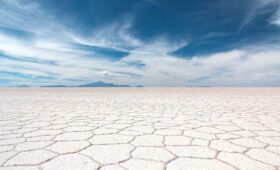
(140, 128)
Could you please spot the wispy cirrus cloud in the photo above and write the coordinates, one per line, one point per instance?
(276, 18)
(259, 8)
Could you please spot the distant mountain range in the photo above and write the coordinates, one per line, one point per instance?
(102, 84)
(54, 86)
(96, 84)
(22, 86)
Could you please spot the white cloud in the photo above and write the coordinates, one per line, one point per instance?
(239, 67)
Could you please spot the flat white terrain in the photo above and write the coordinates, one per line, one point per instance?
(140, 128)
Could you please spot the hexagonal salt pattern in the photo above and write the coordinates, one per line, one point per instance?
(140, 128)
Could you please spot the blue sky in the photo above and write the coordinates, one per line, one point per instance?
(147, 42)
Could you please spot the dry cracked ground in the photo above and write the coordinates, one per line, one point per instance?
(140, 128)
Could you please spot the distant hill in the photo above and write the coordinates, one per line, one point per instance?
(55, 86)
(102, 84)
(22, 86)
